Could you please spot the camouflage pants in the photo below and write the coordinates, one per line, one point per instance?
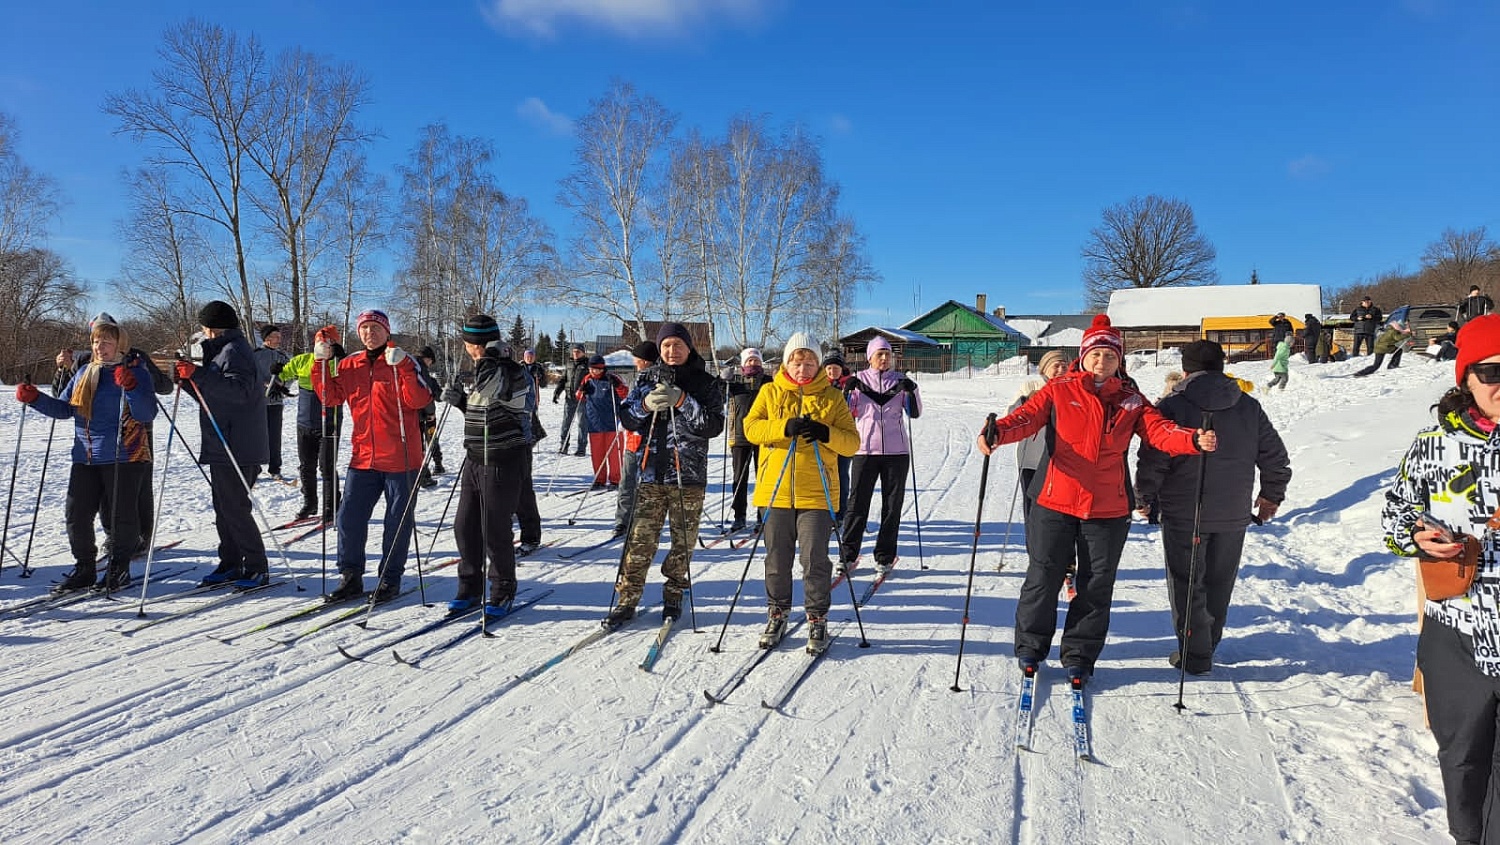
(654, 504)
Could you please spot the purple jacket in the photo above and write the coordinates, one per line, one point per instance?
(877, 407)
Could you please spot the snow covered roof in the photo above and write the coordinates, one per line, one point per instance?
(896, 334)
(1141, 307)
(619, 358)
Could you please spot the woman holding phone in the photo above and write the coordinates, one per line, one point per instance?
(1446, 487)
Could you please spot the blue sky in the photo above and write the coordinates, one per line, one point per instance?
(976, 143)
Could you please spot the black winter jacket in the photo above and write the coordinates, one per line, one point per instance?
(233, 390)
(1247, 442)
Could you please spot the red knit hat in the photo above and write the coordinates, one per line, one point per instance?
(1101, 333)
(1477, 340)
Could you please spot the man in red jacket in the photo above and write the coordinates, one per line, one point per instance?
(384, 392)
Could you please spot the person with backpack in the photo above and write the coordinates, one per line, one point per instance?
(802, 423)
(111, 404)
(1095, 410)
(1366, 317)
(497, 448)
(881, 399)
(1476, 304)
(1439, 506)
(1204, 514)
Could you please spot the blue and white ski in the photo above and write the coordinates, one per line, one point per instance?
(1026, 708)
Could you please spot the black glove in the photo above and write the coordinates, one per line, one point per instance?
(588, 388)
(554, 398)
(854, 385)
(908, 385)
(796, 427)
(814, 430)
(276, 370)
(454, 395)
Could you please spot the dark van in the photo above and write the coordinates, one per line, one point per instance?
(1425, 321)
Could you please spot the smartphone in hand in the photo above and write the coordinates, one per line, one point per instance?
(1447, 534)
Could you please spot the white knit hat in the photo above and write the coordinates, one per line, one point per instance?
(801, 340)
(749, 352)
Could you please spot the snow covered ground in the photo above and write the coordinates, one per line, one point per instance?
(1307, 731)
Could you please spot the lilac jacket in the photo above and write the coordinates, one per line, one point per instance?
(877, 407)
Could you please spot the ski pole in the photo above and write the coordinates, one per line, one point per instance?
(828, 499)
(254, 502)
(166, 462)
(1010, 520)
(36, 507)
(911, 456)
(172, 422)
(1186, 631)
(984, 478)
(15, 465)
(754, 547)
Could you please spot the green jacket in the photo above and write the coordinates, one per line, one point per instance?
(1390, 340)
(1282, 356)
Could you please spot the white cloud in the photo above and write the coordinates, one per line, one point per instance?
(630, 18)
(1307, 167)
(840, 125)
(536, 112)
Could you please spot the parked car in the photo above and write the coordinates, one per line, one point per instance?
(1425, 321)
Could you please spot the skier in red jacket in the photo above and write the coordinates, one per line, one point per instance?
(385, 392)
(1083, 493)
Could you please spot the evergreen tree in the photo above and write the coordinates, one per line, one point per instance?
(518, 338)
(562, 346)
(544, 348)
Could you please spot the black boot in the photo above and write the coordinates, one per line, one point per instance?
(118, 577)
(619, 616)
(309, 509)
(352, 586)
(81, 578)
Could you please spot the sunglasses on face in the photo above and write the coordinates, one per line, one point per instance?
(1486, 373)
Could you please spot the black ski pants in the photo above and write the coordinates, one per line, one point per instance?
(143, 502)
(1052, 541)
(527, 513)
(487, 497)
(1218, 567)
(1362, 338)
(91, 493)
(890, 471)
(1462, 707)
(273, 437)
(240, 544)
(1080, 548)
(746, 458)
(311, 457)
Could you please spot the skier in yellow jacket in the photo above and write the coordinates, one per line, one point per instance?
(802, 425)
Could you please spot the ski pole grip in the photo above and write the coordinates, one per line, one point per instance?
(991, 434)
(1208, 421)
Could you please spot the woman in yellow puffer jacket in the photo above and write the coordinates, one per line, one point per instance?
(802, 425)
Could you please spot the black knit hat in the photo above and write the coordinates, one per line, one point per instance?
(1202, 355)
(481, 329)
(676, 330)
(646, 351)
(268, 329)
(596, 361)
(218, 315)
(427, 353)
(835, 358)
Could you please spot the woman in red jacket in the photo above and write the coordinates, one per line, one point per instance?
(1090, 414)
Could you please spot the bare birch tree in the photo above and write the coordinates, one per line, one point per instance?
(164, 254)
(351, 224)
(619, 145)
(1459, 259)
(1146, 242)
(837, 270)
(199, 118)
(299, 129)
